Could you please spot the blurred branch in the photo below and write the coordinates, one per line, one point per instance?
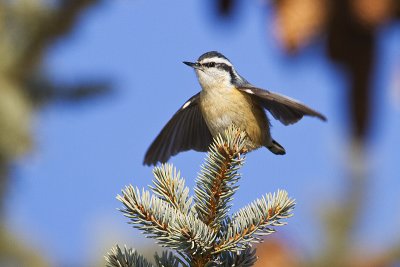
(41, 91)
(351, 28)
(51, 25)
(352, 43)
(392, 256)
(225, 7)
(27, 29)
(3, 180)
(14, 253)
(340, 221)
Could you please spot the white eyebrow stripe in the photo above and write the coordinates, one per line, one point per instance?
(249, 91)
(216, 60)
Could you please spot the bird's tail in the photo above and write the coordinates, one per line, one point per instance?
(276, 148)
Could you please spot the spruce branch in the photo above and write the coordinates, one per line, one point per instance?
(171, 188)
(246, 258)
(215, 184)
(125, 258)
(199, 230)
(51, 25)
(161, 221)
(169, 259)
(256, 220)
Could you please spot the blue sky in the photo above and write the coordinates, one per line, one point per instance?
(63, 201)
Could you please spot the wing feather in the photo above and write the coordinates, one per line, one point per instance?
(184, 131)
(282, 108)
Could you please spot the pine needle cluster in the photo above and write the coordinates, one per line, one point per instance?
(198, 230)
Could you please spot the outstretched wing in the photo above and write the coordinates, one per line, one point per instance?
(283, 108)
(185, 130)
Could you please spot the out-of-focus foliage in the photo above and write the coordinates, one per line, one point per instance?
(298, 22)
(351, 29)
(15, 117)
(27, 29)
(275, 252)
(280, 253)
(15, 253)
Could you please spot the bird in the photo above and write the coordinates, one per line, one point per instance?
(226, 99)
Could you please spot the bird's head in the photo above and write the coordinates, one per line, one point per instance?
(214, 69)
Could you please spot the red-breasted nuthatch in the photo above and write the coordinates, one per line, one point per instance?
(226, 98)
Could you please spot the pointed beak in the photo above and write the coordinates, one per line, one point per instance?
(191, 64)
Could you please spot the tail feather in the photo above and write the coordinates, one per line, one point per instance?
(276, 148)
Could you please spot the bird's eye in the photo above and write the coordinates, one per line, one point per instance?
(211, 64)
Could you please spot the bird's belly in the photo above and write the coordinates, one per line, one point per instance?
(222, 110)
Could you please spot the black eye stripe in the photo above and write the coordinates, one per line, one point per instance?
(224, 67)
(209, 64)
(218, 65)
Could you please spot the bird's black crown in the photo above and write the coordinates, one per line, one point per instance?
(212, 54)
